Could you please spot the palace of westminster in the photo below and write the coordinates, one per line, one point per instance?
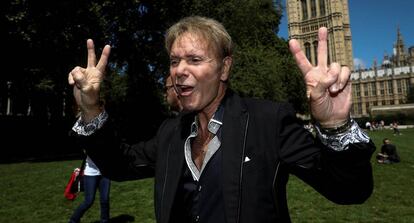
(384, 86)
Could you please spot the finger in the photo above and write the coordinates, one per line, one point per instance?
(303, 63)
(78, 76)
(70, 79)
(91, 53)
(343, 78)
(331, 80)
(103, 61)
(322, 47)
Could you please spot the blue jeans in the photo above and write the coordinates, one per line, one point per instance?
(91, 184)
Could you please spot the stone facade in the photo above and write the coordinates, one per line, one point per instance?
(379, 87)
(305, 17)
(384, 85)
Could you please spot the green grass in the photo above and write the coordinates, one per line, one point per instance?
(33, 192)
(391, 201)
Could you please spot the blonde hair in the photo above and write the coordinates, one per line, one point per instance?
(208, 29)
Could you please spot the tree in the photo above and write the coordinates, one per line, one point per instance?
(52, 39)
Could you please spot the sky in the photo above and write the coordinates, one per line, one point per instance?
(374, 28)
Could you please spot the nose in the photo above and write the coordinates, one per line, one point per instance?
(181, 68)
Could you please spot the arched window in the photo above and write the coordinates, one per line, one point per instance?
(304, 9)
(315, 52)
(322, 7)
(313, 8)
(308, 51)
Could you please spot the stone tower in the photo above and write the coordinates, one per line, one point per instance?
(305, 17)
(399, 57)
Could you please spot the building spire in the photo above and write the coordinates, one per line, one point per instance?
(399, 57)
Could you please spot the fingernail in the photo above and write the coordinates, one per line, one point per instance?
(334, 87)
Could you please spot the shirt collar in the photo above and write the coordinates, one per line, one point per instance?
(213, 125)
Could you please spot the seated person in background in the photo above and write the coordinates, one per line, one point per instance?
(388, 153)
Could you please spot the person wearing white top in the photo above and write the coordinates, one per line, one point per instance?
(93, 180)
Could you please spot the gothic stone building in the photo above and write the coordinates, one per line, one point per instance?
(305, 17)
(384, 86)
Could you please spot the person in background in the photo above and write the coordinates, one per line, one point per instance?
(93, 180)
(226, 158)
(388, 153)
(395, 129)
(171, 97)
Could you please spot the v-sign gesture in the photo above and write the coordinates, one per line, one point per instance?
(87, 82)
(328, 87)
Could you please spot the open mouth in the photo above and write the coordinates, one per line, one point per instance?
(184, 90)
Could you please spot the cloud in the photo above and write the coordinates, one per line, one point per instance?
(359, 64)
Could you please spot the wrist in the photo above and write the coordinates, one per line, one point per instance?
(336, 128)
(89, 114)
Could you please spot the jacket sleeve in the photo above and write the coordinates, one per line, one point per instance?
(116, 160)
(344, 177)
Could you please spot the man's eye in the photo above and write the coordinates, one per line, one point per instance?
(174, 62)
(195, 60)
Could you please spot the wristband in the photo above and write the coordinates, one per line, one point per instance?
(341, 128)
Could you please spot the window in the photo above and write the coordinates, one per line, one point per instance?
(355, 108)
(313, 8)
(391, 102)
(322, 7)
(308, 51)
(375, 103)
(382, 88)
(399, 86)
(315, 51)
(365, 89)
(358, 91)
(390, 87)
(304, 10)
(373, 89)
(367, 106)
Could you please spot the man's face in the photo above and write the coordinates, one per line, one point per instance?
(196, 73)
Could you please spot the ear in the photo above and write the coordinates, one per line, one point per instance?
(227, 63)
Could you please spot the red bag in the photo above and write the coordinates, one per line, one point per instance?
(74, 185)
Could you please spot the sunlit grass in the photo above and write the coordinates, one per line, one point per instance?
(33, 192)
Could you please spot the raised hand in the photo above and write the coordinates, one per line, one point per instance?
(87, 81)
(328, 87)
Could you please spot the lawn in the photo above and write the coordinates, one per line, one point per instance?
(33, 192)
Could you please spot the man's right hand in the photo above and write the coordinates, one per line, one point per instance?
(87, 81)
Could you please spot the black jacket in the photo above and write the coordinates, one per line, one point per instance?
(255, 191)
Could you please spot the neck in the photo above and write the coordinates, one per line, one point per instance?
(207, 113)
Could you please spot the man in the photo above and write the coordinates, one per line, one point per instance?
(171, 97)
(227, 158)
(388, 153)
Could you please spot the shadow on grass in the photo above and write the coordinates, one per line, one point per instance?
(123, 218)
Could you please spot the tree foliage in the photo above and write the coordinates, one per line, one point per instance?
(46, 40)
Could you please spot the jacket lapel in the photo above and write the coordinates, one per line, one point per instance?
(233, 138)
(175, 162)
